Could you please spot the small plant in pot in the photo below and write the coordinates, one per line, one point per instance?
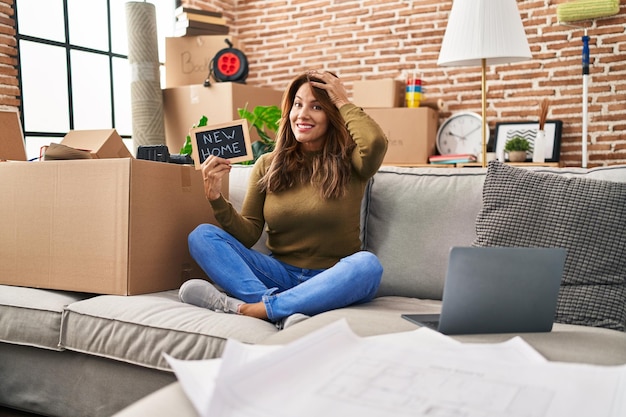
(517, 147)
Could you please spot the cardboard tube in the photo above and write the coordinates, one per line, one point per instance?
(433, 103)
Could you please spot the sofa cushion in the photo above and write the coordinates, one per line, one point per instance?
(383, 315)
(32, 317)
(138, 329)
(566, 342)
(584, 215)
(413, 217)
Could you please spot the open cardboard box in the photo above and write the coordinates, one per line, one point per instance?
(107, 226)
(102, 143)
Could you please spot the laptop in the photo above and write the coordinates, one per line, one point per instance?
(498, 290)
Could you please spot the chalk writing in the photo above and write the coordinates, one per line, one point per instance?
(229, 141)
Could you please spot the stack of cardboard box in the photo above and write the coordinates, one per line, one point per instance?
(411, 131)
(185, 97)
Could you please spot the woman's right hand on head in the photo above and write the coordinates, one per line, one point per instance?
(213, 170)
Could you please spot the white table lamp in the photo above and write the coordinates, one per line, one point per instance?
(481, 33)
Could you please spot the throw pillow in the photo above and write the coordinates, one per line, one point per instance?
(585, 216)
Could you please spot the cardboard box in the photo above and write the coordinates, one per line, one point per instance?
(411, 133)
(107, 226)
(187, 58)
(184, 106)
(378, 93)
(12, 147)
(105, 143)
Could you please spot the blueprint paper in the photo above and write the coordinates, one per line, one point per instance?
(333, 372)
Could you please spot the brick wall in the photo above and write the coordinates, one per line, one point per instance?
(9, 91)
(367, 39)
(362, 39)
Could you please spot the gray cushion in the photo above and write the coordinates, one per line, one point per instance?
(583, 215)
(414, 216)
(383, 315)
(565, 342)
(32, 317)
(139, 329)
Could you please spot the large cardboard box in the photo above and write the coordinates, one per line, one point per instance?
(383, 93)
(107, 226)
(184, 106)
(12, 147)
(103, 143)
(187, 58)
(411, 133)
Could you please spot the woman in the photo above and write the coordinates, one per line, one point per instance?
(308, 191)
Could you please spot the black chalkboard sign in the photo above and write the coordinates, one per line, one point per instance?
(229, 140)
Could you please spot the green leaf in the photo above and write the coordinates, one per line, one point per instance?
(258, 149)
(187, 149)
(262, 118)
(203, 121)
(264, 138)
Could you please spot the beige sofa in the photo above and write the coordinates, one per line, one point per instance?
(71, 354)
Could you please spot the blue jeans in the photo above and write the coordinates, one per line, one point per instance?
(252, 276)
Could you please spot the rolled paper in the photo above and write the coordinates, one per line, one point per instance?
(145, 84)
(433, 103)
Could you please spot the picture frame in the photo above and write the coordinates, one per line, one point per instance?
(505, 131)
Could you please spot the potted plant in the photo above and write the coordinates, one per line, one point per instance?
(517, 147)
(264, 119)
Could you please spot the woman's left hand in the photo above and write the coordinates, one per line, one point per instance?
(333, 86)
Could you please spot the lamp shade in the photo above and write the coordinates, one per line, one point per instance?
(484, 29)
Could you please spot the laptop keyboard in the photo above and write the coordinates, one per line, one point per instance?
(434, 324)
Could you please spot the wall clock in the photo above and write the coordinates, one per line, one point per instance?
(461, 133)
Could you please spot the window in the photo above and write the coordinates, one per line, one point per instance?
(73, 66)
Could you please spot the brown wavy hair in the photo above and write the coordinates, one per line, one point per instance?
(330, 169)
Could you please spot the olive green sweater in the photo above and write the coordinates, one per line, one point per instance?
(304, 229)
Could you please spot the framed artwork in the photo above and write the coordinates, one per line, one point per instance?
(505, 131)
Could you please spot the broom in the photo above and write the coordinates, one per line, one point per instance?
(575, 11)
